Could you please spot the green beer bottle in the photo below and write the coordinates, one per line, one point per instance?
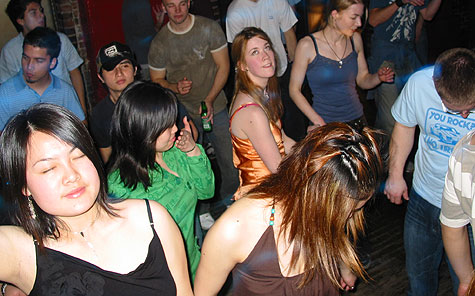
(204, 112)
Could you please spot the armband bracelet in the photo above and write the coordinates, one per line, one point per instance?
(399, 3)
(4, 288)
(190, 149)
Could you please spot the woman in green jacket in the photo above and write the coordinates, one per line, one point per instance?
(149, 162)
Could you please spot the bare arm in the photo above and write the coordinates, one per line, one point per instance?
(78, 84)
(364, 79)
(402, 140)
(221, 59)
(305, 53)
(457, 246)
(18, 258)
(429, 12)
(252, 123)
(291, 41)
(181, 87)
(219, 255)
(173, 247)
(159, 76)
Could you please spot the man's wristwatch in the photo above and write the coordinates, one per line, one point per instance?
(399, 3)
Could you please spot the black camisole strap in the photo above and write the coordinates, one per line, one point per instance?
(352, 43)
(314, 43)
(149, 212)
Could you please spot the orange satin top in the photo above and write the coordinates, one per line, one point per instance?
(252, 170)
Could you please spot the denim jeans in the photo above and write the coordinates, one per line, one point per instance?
(403, 60)
(220, 139)
(424, 247)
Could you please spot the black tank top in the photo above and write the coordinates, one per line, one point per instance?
(61, 274)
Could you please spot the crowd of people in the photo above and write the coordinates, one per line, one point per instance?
(105, 202)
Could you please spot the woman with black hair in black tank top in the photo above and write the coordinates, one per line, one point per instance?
(70, 238)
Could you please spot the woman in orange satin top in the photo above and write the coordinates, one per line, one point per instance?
(259, 143)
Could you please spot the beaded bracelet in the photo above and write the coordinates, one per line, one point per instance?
(190, 150)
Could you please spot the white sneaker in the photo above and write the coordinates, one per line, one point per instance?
(206, 221)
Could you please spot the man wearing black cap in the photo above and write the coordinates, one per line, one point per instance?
(116, 69)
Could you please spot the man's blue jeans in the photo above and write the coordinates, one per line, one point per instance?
(424, 247)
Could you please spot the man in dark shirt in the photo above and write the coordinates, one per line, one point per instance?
(116, 68)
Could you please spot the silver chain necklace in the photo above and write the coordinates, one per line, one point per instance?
(340, 60)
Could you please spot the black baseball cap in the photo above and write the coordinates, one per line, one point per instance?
(112, 54)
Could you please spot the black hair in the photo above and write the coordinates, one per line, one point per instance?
(62, 124)
(16, 10)
(43, 37)
(143, 112)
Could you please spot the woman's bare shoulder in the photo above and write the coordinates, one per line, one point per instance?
(244, 215)
(14, 234)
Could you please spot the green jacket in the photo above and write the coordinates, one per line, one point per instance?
(178, 195)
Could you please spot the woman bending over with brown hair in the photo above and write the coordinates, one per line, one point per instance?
(294, 233)
(259, 142)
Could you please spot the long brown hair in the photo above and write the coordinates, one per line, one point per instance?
(318, 188)
(273, 106)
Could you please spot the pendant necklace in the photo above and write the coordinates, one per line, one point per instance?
(266, 94)
(340, 62)
(89, 244)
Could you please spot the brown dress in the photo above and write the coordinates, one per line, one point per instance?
(252, 170)
(260, 274)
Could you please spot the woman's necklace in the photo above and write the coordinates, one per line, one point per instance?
(89, 244)
(266, 94)
(340, 60)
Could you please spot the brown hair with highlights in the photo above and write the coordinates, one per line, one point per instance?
(319, 188)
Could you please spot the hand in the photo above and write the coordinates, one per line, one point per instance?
(159, 16)
(414, 2)
(348, 279)
(395, 189)
(210, 114)
(185, 141)
(313, 125)
(386, 74)
(463, 289)
(184, 86)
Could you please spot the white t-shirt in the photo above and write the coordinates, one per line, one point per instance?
(272, 16)
(420, 104)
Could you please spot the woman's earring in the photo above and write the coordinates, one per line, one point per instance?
(32, 208)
